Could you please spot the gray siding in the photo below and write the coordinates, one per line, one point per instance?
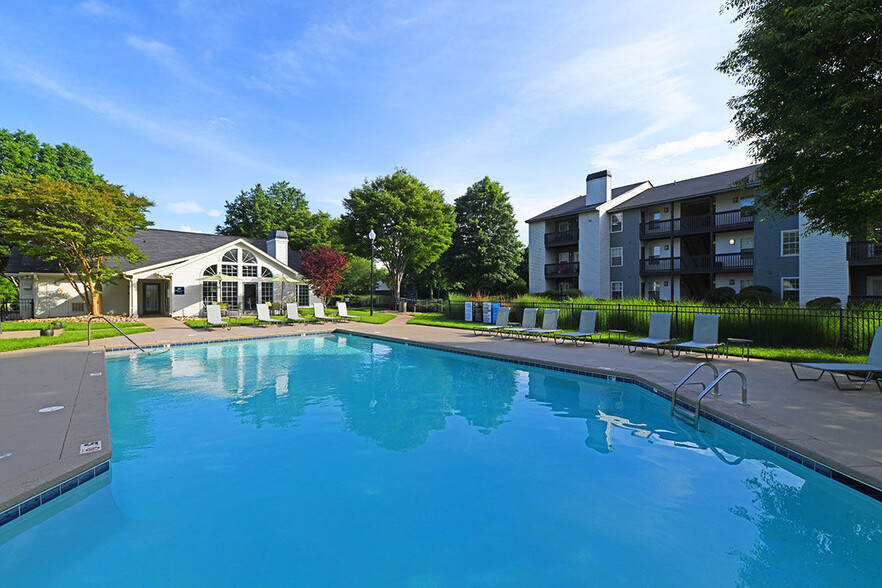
(769, 265)
(629, 241)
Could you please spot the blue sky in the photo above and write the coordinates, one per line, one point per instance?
(189, 102)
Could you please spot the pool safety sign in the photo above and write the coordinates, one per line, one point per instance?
(90, 447)
(468, 311)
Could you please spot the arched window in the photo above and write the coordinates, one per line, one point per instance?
(209, 288)
(249, 265)
(231, 256)
(265, 272)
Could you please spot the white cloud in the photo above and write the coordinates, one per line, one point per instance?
(155, 50)
(98, 8)
(697, 141)
(191, 207)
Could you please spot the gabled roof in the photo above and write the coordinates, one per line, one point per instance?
(577, 205)
(159, 245)
(692, 188)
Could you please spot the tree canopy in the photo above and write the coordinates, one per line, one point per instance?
(257, 212)
(812, 110)
(324, 268)
(22, 154)
(413, 224)
(78, 227)
(485, 252)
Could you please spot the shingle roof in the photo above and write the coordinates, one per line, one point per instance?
(692, 188)
(577, 205)
(159, 245)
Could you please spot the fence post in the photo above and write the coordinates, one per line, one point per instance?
(619, 315)
(676, 321)
(841, 324)
(750, 322)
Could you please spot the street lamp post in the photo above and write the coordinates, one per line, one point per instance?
(372, 235)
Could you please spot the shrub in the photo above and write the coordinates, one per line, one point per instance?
(572, 293)
(824, 302)
(720, 295)
(754, 295)
(553, 294)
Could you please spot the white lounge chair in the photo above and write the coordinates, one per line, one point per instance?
(292, 313)
(263, 315)
(705, 335)
(528, 321)
(587, 324)
(319, 310)
(501, 322)
(659, 334)
(873, 366)
(343, 312)
(549, 325)
(213, 317)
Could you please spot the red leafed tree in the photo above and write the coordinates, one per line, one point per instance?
(324, 268)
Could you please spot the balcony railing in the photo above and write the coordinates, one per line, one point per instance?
(729, 220)
(561, 238)
(562, 270)
(863, 253)
(698, 264)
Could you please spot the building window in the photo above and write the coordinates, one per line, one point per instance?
(230, 294)
(563, 226)
(249, 271)
(654, 291)
(303, 295)
(746, 243)
(265, 272)
(790, 289)
(742, 284)
(266, 292)
(615, 222)
(231, 256)
(616, 290)
(209, 292)
(615, 257)
(789, 243)
(228, 269)
(78, 307)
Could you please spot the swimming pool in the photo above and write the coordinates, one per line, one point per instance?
(343, 460)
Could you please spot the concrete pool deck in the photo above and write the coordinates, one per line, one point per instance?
(839, 429)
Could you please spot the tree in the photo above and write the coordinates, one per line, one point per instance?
(413, 224)
(324, 268)
(812, 112)
(22, 154)
(255, 213)
(358, 276)
(485, 252)
(79, 227)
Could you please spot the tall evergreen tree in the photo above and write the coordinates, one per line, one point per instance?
(485, 252)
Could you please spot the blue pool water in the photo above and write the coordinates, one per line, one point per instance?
(345, 461)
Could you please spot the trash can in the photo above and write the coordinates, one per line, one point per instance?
(402, 305)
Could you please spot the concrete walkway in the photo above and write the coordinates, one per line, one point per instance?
(840, 429)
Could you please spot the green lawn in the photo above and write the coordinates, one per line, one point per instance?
(364, 317)
(778, 354)
(76, 332)
(68, 326)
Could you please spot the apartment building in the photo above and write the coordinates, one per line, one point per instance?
(680, 240)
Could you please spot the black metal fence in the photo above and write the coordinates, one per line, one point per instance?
(16, 310)
(770, 326)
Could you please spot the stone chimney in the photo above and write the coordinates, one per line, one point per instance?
(277, 245)
(598, 188)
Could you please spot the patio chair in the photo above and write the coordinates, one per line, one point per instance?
(263, 315)
(549, 325)
(292, 313)
(319, 310)
(528, 321)
(343, 312)
(873, 366)
(587, 323)
(705, 335)
(213, 317)
(659, 334)
(501, 322)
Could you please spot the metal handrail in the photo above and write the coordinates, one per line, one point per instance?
(682, 382)
(715, 383)
(89, 332)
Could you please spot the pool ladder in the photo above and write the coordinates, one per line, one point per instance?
(685, 413)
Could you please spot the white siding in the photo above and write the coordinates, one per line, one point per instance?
(823, 268)
(537, 257)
